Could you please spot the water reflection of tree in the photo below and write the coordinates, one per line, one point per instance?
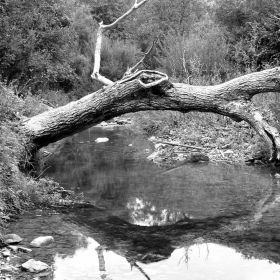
(141, 244)
(102, 265)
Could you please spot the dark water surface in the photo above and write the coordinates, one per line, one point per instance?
(199, 221)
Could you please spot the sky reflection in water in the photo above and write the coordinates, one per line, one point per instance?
(203, 261)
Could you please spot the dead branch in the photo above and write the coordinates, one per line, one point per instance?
(98, 46)
(179, 145)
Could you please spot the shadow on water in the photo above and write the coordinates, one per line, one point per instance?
(153, 222)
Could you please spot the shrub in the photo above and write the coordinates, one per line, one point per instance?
(116, 57)
(200, 54)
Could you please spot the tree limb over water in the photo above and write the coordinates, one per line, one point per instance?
(151, 90)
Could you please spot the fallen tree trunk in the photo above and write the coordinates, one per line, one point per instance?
(150, 90)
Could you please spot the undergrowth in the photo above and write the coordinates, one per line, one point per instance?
(222, 138)
(18, 190)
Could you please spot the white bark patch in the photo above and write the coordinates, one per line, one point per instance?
(258, 116)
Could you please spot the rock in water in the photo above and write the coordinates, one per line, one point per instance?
(42, 241)
(101, 140)
(103, 124)
(11, 238)
(34, 266)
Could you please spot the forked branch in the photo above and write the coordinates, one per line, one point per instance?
(101, 30)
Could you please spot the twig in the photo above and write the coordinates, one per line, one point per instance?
(146, 54)
(142, 271)
(42, 172)
(180, 145)
(101, 30)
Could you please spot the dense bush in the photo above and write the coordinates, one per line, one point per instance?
(251, 30)
(36, 43)
(268, 42)
(200, 54)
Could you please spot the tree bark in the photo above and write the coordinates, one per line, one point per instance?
(150, 90)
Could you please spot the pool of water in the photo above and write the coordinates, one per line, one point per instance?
(198, 221)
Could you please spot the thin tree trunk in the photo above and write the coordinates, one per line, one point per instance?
(150, 90)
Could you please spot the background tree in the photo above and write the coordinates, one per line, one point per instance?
(35, 45)
(247, 24)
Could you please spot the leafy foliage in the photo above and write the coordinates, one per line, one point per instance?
(268, 42)
(48, 45)
(117, 56)
(36, 42)
(252, 31)
(200, 54)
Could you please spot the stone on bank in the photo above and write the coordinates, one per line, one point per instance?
(42, 241)
(11, 238)
(34, 266)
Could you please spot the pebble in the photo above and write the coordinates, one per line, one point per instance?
(42, 241)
